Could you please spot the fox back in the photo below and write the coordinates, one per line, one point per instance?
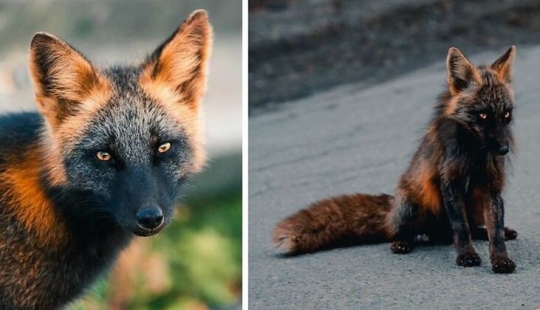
(103, 160)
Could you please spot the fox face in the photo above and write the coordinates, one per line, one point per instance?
(123, 139)
(134, 159)
(482, 100)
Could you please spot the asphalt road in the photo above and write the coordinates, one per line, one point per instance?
(356, 139)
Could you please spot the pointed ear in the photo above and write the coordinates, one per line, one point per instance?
(503, 65)
(63, 79)
(177, 70)
(461, 73)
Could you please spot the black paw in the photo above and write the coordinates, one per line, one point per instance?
(401, 247)
(502, 264)
(469, 259)
(510, 234)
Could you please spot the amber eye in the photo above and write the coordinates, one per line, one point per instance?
(164, 147)
(483, 115)
(507, 115)
(103, 155)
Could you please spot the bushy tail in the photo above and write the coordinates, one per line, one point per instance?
(339, 221)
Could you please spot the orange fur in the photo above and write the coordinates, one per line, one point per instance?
(70, 78)
(29, 203)
(180, 72)
(429, 195)
(451, 106)
(503, 66)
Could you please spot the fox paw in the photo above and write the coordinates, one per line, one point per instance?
(510, 234)
(502, 264)
(468, 259)
(401, 247)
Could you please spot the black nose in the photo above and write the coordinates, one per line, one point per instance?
(503, 150)
(149, 217)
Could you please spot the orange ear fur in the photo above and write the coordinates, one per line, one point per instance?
(503, 65)
(63, 78)
(177, 71)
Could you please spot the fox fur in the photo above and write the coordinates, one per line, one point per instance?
(102, 160)
(451, 190)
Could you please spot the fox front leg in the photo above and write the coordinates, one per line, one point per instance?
(453, 197)
(494, 217)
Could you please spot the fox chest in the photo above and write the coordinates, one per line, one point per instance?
(473, 186)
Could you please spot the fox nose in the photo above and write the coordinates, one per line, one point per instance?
(149, 217)
(503, 150)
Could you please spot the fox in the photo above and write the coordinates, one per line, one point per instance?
(451, 190)
(103, 159)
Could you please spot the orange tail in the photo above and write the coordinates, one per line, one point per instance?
(339, 221)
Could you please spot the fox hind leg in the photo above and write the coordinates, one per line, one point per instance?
(402, 220)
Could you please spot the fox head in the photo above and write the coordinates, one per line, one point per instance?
(481, 99)
(124, 138)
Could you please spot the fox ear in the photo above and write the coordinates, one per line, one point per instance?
(63, 79)
(503, 65)
(461, 72)
(177, 70)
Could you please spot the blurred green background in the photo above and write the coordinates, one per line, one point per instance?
(196, 263)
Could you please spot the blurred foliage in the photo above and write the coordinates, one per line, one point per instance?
(118, 22)
(195, 263)
(205, 252)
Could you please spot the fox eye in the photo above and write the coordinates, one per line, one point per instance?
(103, 155)
(507, 114)
(164, 147)
(483, 115)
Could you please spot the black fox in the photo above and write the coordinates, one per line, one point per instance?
(103, 160)
(452, 187)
